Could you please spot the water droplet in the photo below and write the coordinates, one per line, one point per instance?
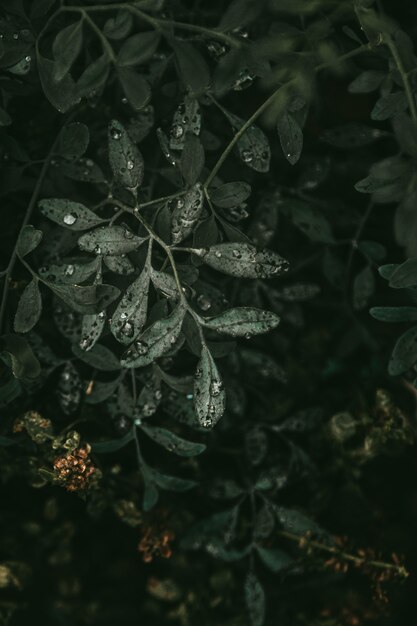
(15, 35)
(190, 396)
(141, 348)
(28, 58)
(198, 373)
(124, 316)
(177, 131)
(128, 234)
(115, 134)
(84, 343)
(124, 100)
(218, 254)
(69, 270)
(127, 329)
(216, 387)
(247, 156)
(102, 315)
(97, 250)
(237, 254)
(130, 165)
(70, 219)
(203, 302)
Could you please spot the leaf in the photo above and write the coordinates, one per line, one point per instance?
(86, 300)
(25, 366)
(151, 495)
(171, 483)
(187, 119)
(209, 394)
(192, 67)
(291, 137)
(84, 170)
(363, 288)
(73, 140)
(72, 273)
(130, 315)
(253, 146)
(125, 159)
(192, 159)
(274, 559)
(186, 213)
(110, 240)
(351, 136)
(256, 445)
(93, 79)
(311, 222)
(243, 322)
(230, 195)
(165, 283)
(404, 275)
(91, 329)
(156, 340)
(138, 49)
(135, 87)
(119, 264)
(239, 13)
(367, 81)
(389, 105)
(394, 313)
(29, 239)
(40, 7)
(102, 391)
(29, 308)
(172, 442)
(243, 260)
(295, 522)
(118, 27)
(99, 357)
(404, 355)
(62, 95)
(255, 600)
(66, 47)
(112, 445)
(69, 214)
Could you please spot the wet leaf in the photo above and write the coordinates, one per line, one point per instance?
(209, 394)
(186, 213)
(125, 159)
(172, 442)
(110, 240)
(130, 315)
(29, 308)
(243, 260)
(69, 214)
(243, 322)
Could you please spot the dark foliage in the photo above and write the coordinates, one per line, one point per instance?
(208, 217)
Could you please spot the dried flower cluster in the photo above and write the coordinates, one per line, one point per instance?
(74, 469)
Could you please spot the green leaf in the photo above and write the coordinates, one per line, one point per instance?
(186, 213)
(63, 94)
(138, 49)
(243, 322)
(156, 341)
(150, 495)
(274, 559)
(93, 79)
(404, 355)
(351, 136)
(367, 81)
(295, 522)
(239, 13)
(135, 88)
(66, 47)
(112, 445)
(125, 159)
(69, 214)
(29, 239)
(253, 146)
(25, 366)
(99, 357)
(91, 329)
(165, 283)
(255, 600)
(86, 300)
(171, 483)
(187, 119)
(311, 222)
(230, 195)
(291, 137)
(404, 275)
(73, 273)
(110, 240)
(363, 288)
(192, 67)
(389, 105)
(118, 27)
(119, 264)
(130, 315)
(73, 140)
(29, 308)
(84, 170)
(394, 313)
(209, 394)
(243, 260)
(172, 442)
(102, 391)
(192, 159)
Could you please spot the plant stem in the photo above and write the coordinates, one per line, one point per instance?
(400, 570)
(26, 219)
(388, 40)
(267, 103)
